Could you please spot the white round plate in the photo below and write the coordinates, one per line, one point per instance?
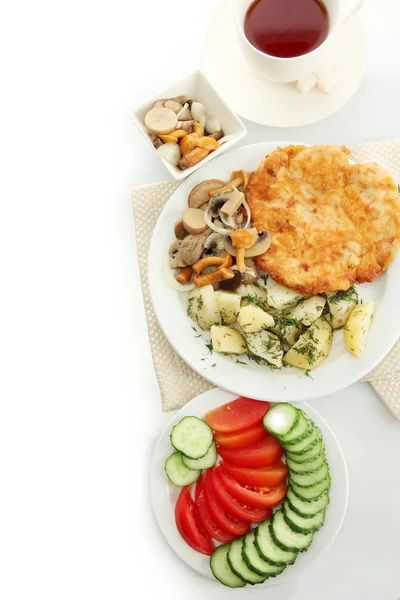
(279, 104)
(164, 494)
(338, 371)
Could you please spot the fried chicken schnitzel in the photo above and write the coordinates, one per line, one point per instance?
(331, 223)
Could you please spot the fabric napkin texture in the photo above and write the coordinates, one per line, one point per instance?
(178, 382)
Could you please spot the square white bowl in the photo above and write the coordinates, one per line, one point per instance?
(197, 86)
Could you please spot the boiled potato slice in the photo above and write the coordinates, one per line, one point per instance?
(254, 294)
(312, 347)
(340, 306)
(203, 307)
(287, 328)
(227, 340)
(357, 327)
(281, 297)
(267, 346)
(251, 318)
(309, 310)
(229, 306)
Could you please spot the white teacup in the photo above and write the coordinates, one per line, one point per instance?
(284, 70)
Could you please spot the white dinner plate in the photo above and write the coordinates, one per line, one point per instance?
(338, 371)
(164, 494)
(279, 104)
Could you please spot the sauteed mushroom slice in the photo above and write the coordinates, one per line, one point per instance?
(233, 200)
(179, 230)
(199, 194)
(193, 220)
(161, 120)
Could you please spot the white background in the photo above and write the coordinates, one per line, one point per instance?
(80, 407)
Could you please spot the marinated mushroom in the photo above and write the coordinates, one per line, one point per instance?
(193, 220)
(233, 201)
(242, 240)
(191, 247)
(173, 105)
(216, 203)
(260, 246)
(231, 285)
(174, 249)
(174, 252)
(160, 120)
(199, 194)
(179, 230)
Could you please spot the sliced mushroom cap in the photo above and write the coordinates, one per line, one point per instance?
(216, 203)
(259, 247)
(193, 220)
(162, 101)
(174, 252)
(192, 246)
(174, 249)
(199, 194)
(233, 201)
(179, 230)
(160, 120)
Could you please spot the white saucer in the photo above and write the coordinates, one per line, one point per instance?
(164, 494)
(279, 104)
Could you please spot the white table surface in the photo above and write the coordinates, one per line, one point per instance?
(80, 407)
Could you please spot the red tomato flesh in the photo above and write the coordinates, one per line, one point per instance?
(257, 497)
(233, 507)
(224, 520)
(242, 439)
(266, 477)
(262, 454)
(237, 415)
(206, 519)
(188, 524)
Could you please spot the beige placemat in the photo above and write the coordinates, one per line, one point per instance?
(178, 383)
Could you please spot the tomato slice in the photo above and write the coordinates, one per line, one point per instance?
(237, 415)
(266, 477)
(223, 519)
(206, 519)
(257, 497)
(242, 438)
(233, 507)
(262, 454)
(188, 524)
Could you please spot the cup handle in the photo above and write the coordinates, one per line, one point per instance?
(349, 9)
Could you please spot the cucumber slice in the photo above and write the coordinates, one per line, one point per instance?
(301, 524)
(302, 430)
(281, 419)
(313, 492)
(192, 436)
(308, 508)
(285, 537)
(178, 473)
(238, 565)
(269, 550)
(205, 462)
(307, 467)
(306, 480)
(307, 443)
(221, 569)
(307, 455)
(254, 561)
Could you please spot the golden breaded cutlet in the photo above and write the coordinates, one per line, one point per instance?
(331, 223)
